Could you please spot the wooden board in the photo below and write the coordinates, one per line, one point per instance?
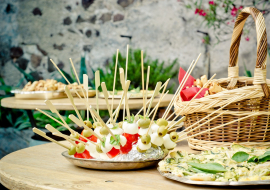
(64, 104)
(43, 167)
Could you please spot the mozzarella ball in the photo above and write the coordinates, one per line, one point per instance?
(143, 131)
(156, 140)
(108, 147)
(154, 128)
(130, 128)
(117, 131)
(110, 126)
(168, 143)
(123, 140)
(92, 150)
(143, 146)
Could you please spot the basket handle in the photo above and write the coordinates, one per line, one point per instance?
(260, 69)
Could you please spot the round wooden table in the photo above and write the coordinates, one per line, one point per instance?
(64, 103)
(43, 167)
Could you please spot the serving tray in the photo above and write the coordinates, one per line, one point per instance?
(108, 164)
(213, 183)
(39, 95)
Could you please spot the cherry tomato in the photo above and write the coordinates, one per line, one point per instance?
(125, 149)
(85, 155)
(133, 139)
(114, 152)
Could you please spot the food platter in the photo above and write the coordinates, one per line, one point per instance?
(213, 183)
(44, 95)
(91, 93)
(133, 95)
(109, 164)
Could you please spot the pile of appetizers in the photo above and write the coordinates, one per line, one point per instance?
(48, 85)
(238, 163)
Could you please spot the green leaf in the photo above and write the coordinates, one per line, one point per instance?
(240, 156)
(253, 159)
(199, 171)
(103, 142)
(115, 142)
(132, 118)
(209, 167)
(265, 157)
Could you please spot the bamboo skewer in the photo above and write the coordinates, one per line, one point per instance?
(183, 82)
(156, 91)
(50, 116)
(126, 86)
(54, 110)
(72, 102)
(219, 126)
(65, 78)
(127, 62)
(178, 90)
(149, 102)
(97, 84)
(119, 107)
(41, 133)
(85, 86)
(177, 122)
(106, 96)
(156, 107)
(122, 81)
(203, 123)
(102, 122)
(142, 68)
(114, 78)
(153, 117)
(205, 85)
(81, 124)
(146, 88)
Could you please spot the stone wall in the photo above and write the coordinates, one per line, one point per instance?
(33, 31)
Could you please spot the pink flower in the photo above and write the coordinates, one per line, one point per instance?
(263, 12)
(232, 20)
(228, 23)
(197, 11)
(241, 7)
(203, 41)
(234, 11)
(247, 38)
(202, 13)
(211, 3)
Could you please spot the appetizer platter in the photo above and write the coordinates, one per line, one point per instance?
(236, 166)
(137, 141)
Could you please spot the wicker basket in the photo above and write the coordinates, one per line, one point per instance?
(253, 131)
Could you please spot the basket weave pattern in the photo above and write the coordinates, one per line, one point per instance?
(254, 131)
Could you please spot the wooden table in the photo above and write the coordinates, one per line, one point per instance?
(64, 103)
(43, 167)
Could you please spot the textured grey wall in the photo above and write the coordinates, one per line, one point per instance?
(67, 28)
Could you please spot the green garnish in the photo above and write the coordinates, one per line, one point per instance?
(209, 167)
(115, 142)
(240, 156)
(103, 142)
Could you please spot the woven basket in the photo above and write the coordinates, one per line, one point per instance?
(253, 131)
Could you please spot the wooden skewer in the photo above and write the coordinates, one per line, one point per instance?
(125, 88)
(41, 133)
(102, 122)
(148, 102)
(114, 78)
(219, 126)
(146, 89)
(81, 124)
(180, 89)
(85, 86)
(178, 122)
(177, 91)
(68, 138)
(127, 62)
(122, 81)
(156, 91)
(54, 110)
(78, 80)
(204, 86)
(119, 107)
(106, 96)
(142, 68)
(65, 78)
(97, 84)
(72, 102)
(157, 105)
(204, 123)
(50, 116)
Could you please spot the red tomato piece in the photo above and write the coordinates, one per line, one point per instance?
(77, 155)
(133, 139)
(114, 152)
(87, 155)
(93, 138)
(82, 139)
(125, 149)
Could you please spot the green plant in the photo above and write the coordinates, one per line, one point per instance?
(159, 71)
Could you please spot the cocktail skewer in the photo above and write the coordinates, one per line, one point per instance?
(114, 78)
(156, 107)
(106, 96)
(41, 133)
(97, 84)
(72, 102)
(146, 88)
(142, 69)
(50, 116)
(156, 91)
(85, 86)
